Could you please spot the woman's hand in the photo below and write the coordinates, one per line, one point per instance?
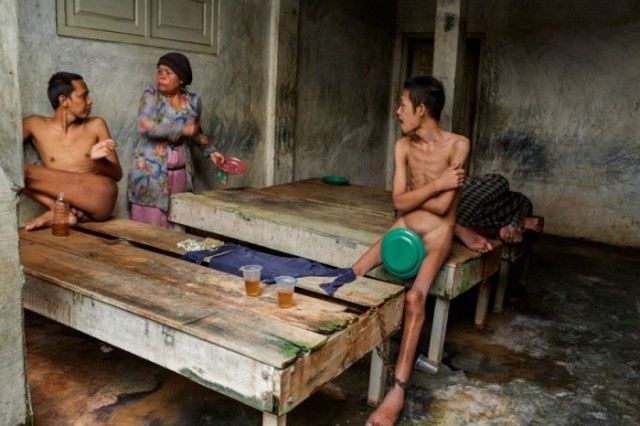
(191, 129)
(216, 157)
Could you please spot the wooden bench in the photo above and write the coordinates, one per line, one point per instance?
(333, 225)
(122, 282)
(380, 201)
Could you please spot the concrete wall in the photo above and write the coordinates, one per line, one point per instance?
(345, 63)
(339, 109)
(232, 84)
(14, 402)
(559, 110)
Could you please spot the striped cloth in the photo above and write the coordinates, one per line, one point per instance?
(487, 202)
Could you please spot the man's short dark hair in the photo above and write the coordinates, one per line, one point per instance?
(426, 90)
(61, 84)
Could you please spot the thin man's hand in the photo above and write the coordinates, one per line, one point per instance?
(451, 178)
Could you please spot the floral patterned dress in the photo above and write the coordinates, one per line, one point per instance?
(161, 163)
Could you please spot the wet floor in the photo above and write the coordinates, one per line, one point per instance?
(565, 352)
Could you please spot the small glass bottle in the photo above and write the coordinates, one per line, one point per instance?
(60, 224)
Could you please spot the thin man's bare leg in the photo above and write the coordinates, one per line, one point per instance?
(373, 256)
(438, 249)
(94, 195)
(369, 260)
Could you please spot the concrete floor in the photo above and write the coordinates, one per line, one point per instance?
(565, 352)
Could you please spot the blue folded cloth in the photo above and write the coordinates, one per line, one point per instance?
(232, 256)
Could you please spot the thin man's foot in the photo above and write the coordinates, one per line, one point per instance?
(510, 235)
(535, 223)
(473, 240)
(80, 215)
(388, 412)
(45, 219)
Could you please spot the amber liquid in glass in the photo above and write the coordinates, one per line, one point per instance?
(252, 287)
(285, 300)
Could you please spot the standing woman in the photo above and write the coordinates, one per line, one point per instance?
(168, 117)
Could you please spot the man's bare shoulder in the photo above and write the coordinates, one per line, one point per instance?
(403, 141)
(92, 125)
(456, 139)
(458, 143)
(34, 120)
(95, 121)
(33, 125)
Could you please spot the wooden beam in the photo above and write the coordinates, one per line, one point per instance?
(281, 108)
(448, 54)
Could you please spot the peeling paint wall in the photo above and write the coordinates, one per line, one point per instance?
(14, 402)
(345, 62)
(559, 108)
(232, 84)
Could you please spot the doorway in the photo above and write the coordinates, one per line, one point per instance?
(418, 60)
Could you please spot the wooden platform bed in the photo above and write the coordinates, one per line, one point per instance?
(122, 282)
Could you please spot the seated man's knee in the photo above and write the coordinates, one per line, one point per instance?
(105, 199)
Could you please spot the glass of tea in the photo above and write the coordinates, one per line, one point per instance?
(251, 274)
(286, 285)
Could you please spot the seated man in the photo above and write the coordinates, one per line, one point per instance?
(428, 173)
(78, 154)
(489, 209)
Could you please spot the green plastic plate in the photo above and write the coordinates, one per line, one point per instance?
(335, 180)
(402, 252)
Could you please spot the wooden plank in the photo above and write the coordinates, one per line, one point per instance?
(205, 282)
(307, 229)
(351, 195)
(340, 352)
(212, 366)
(326, 234)
(152, 296)
(363, 291)
(140, 233)
(270, 341)
(198, 321)
(324, 219)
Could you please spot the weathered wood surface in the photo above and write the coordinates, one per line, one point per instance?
(317, 227)
(351, 195)
(325, 233)
(333, 225)
(363, 291)
(116, 286)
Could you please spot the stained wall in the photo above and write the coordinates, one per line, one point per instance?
(231, 84)
(14, 400)
(344, 72)
(559, 108)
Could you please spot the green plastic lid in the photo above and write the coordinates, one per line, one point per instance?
(402, 252)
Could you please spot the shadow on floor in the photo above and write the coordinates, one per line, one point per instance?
(565, 352)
